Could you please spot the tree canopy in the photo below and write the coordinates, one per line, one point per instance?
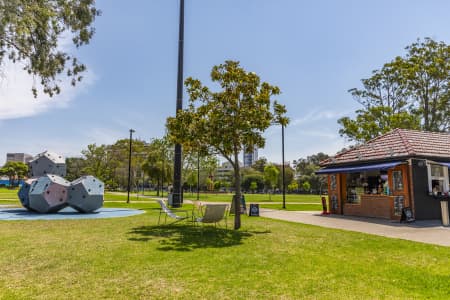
(14, 170)
(306, 168)
(230, 120)
(411, 92)
(31, 32)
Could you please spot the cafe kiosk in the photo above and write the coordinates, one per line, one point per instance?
(403, 170)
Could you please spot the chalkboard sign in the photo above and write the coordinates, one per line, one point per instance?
(407, 215)
(398, 205)
(254, 210)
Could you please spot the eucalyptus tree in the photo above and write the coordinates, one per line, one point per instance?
(426, 70)
(31, 33)
(411, 92)
(229, 120)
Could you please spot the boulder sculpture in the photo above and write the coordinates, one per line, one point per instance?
(47, 163)
(86, 194)
(48, 192)
(24, 193)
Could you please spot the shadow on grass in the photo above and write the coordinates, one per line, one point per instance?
(188, 238)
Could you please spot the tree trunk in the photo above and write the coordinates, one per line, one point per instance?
(237, 196)
(157, 187)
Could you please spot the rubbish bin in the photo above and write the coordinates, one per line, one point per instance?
(444, 212)
(170, 199)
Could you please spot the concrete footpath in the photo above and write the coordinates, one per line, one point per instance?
(430, 232)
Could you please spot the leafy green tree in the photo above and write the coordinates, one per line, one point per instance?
(254, 177)
(306, 186)
(292, 187)
(426, 71)
(217, 185)
(110, 162)
(410, 92)
(259, 164)
(305, 169)
(375, 121)
(271, 173)
(253, 186)
(229, 120)
(31, 31)
(14, 170)
(158, 162)
(288, 175)
(96, 161)
(75, 167)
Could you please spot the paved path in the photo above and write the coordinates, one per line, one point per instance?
(430, 232)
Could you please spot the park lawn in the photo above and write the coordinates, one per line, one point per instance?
(293, 207)
(221, 197)
(134, 258)
(294, 202)
(211, 197)
(8, 194)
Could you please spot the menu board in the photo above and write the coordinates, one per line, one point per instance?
(334, 203)
(333, 182)
(399, 203)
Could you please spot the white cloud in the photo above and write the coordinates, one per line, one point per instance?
(103, 136)
(318, 115)
(16, 98)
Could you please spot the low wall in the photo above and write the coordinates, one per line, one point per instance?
(378, 206)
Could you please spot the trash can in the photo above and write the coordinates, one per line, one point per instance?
(444, 212)
(170, 199)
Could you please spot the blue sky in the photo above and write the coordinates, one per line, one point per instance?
(313, 50)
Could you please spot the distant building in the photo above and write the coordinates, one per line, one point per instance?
(19, 157)
(225, 171)
(250, 158)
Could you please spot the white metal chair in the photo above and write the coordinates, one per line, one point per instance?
(171, 213)
(214, 213)
(197, 210)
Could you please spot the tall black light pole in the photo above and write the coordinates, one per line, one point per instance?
(129, 166)
(282, 158)
(198, 175)
(177, 196)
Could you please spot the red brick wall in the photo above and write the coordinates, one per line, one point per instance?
(379, 206)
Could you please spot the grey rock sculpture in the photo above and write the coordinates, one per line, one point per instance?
(48, 194)
(47, 163)
(24, 193)
(86, 194)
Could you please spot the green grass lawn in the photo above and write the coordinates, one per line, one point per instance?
(8, 194)
(293, 207)
(294, 202)
(223, 197)
(134, 258)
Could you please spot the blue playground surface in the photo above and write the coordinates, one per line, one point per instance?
(15, 214)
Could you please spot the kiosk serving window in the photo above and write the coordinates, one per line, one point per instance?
(397, 181)
(438, 179)
(369, 182)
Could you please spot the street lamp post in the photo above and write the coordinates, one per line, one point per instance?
(177, 196)
(282, 157)
(129, 166)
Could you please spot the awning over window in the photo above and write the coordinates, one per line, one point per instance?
(445, 164)
(360, 168)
